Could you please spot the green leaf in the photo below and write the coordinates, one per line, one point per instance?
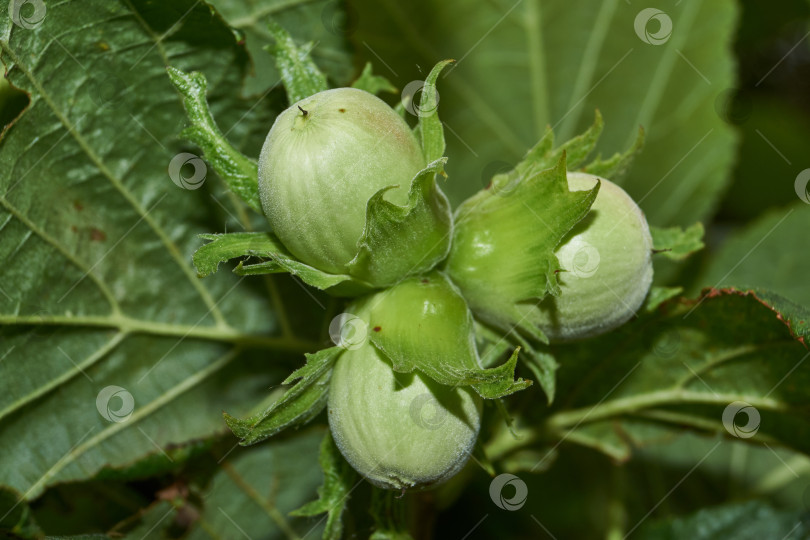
(300, 404)
(423, 323)
(373, 84)
(326, 22)
(676, 243)
(528, 65)
(494, 382)
(254, 489)
(616, 167)
(683, 367)
(659, 295)
(98, 286)
(155, 464)
(224, 247)
(146, 521)
(752, 519)
(490, 344)
(300, 75)
(392, 232)
(333, 496)
(238, 171)
(543, 155)
(766, 254)
(430, 129)
(544, 367)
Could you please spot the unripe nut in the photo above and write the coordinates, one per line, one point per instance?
(607, 266)
(321, 162)
(399, 430)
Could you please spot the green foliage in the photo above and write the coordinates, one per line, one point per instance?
(677, 243)
(253, 492)
(300, 75)
(430, 129)
(681, 367)
(423, 222)
(98, 289)
(16, 520)
(373, 84)
(99, 245)
(522, 67)
(324, 23)
(768, 253)
(224, 247)
(333, 495)
(742, 520)
(237, 170)
(300, 404)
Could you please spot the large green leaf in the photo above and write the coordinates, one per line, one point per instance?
(524, 65)
(98, 289)
(685, 366)
(249, 494)
(741, 521)
(323, 22)
(254, 490)
(770, 253)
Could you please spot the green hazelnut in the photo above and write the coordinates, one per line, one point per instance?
(399, 430)
(321, 162)
(396, 411)
(525, 260)
(607, 263)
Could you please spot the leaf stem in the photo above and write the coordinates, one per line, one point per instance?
(643, 401)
